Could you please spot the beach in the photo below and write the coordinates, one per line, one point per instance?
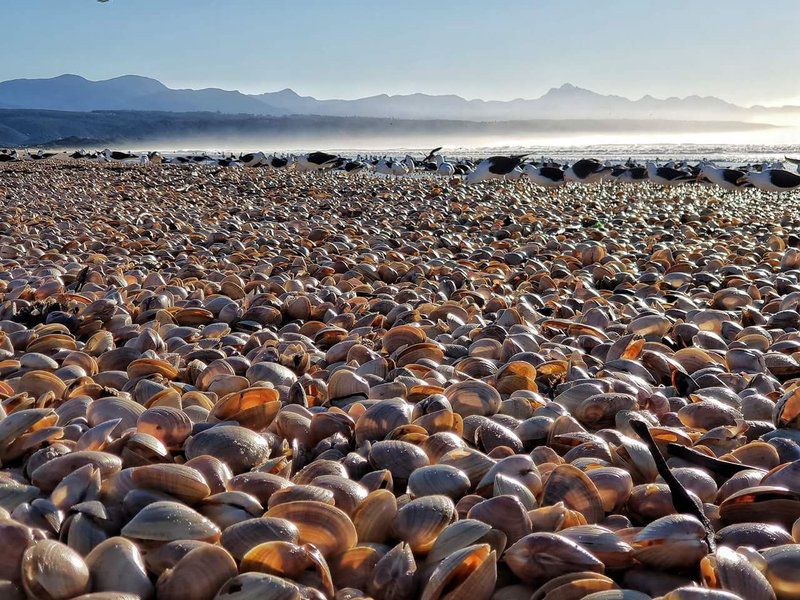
(231, 381)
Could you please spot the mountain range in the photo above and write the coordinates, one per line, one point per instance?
(136, 93)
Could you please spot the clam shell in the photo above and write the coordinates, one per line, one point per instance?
(473, 398)
(540, 556)
(166, 521)
(326, 527)
(52, 570)
(674, 541)
(38, 382)
(421, 521)
(470, 571)
(199, 574)
(258, 586)
(603, 543)
(438, 479)
(52, 472)
(767, 504)
(239, 448)
(505, 513)
(116, 565)
(353, 568)
(395, 575)
(728, 570)
(381, 418)
(239, 538)
(575, 489)
(165, 556)
(169, 425)
(182, 482)
(780, 569)
(17, 538)
(400, 458)
(374, 517)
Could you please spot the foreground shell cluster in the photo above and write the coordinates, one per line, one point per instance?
(240, 385)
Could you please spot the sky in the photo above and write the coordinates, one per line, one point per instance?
(742, 51)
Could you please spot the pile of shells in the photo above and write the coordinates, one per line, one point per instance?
(246, 385)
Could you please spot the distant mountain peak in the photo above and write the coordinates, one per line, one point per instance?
(568, 89)
(137, 79)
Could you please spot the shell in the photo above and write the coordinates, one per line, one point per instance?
(258, 586)
(52, 472)
(167, 521)
(470, 571)
(728, 570)
(374, 517)
(575, 489)
(239, 537)
(52, 570)
(326, 527)
(438, 479)
(780, 569)
(180, 481)
(116, 564)
(421, 521)
(463, 533)
(674, 541)
(17, 538)
(168, 425)
(199, 574)
(768, 504)
(239, 448)
(505, 513)
(541, 556)
(473, 398)
(353, 568)
(395, 575)
(400, 458)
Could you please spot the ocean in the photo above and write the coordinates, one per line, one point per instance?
(728, 148)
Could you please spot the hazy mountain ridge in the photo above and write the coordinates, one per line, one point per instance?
(211, 129)
(132, 92)
(129, 92)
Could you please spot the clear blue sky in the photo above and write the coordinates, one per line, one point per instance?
(742, 50)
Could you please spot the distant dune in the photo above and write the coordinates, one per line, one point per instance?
(204, 129)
